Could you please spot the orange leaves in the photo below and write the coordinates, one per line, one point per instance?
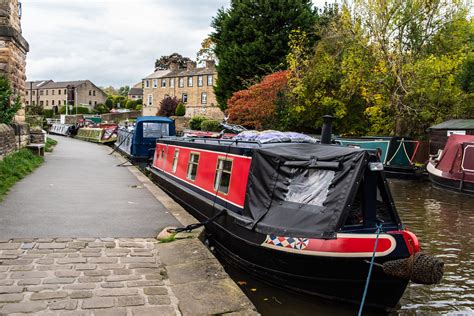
(255, 106)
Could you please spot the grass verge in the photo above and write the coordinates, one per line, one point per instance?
(50, 143)
(15, 167)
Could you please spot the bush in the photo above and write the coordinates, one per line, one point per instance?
(101, 108)
(180, 109)
(168, 106)
(131, 104)
(109, 103)
(210, 126)
(139, 107)
(195, 122)
(48, 113)
(8, 107)
(72, 108)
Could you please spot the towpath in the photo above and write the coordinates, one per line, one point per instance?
(77, 238)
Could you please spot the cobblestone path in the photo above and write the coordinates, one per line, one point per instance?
(83, 276)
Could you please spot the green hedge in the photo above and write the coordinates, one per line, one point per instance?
(180, 109)
(210, 126)
(195, 122)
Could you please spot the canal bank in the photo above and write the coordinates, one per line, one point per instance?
(77, 237)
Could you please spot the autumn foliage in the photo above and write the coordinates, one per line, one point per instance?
(255, 107)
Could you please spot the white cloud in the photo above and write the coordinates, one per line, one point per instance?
(111, 42)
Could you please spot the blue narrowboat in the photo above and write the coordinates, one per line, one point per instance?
(138, 142)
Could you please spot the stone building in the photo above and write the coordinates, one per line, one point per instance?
(193, 86)
(13, 49)
(135, 94)
(52, 95)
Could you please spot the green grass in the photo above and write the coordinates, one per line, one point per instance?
(15, 167)
(50, 143)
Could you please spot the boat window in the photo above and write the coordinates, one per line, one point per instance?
(155, 130)
(222, 177)
(192, 166)
(175, 160)
(309, 186)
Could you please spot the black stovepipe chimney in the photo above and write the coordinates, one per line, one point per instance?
(326, 133)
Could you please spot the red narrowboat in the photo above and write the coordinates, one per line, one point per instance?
(302, 216)
(453, 167)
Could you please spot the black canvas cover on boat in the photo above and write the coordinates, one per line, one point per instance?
(302, 190)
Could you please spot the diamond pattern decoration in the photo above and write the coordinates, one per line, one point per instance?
(287, 242)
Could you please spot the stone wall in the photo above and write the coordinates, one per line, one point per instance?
(7, 140)
(13, 49)
(22, 134)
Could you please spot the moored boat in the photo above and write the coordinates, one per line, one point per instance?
(98, 133)
(302, 216)
(396, 153)
(138, 142)
(453, 167)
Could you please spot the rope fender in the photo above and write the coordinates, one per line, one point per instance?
(419, 268)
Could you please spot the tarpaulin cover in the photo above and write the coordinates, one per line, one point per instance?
(302, 190)
(274, 137)
(451, 159)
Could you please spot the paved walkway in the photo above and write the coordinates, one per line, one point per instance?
(80, 192)
(46, 269)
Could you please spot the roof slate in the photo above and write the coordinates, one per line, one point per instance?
(135, 91)
(455, 124)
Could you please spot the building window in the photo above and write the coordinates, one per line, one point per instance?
(34, 103)
(47, 102)
(222, 177)
(192, 166)
(163, 83)
(90, 102)
(90, 92)
(52, 102)
(47, 92)
(147, 83)
(41, 103)
(181, 82)
(155, 83)
(209, 80)
(203, 98)
(150, 100)
(65, 91)
(52, 92)
(93, 93)
(175, 160)
(59, 102)
(33, 93)
(95, 103)
(199, 81)
(190, 81)
(26, 92)
(59, 92)
(185, 98)
(27, 103)
(41, 92)
(172, 83)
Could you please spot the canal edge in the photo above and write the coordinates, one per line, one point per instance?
(194, 273)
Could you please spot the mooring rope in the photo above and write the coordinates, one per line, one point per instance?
(379, 229)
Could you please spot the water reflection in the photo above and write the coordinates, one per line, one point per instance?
(444, 223)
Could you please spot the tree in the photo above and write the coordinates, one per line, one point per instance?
(123, 91)
(384, 67)
(251, 40)
(109, 103)
(206, 52)
(180, 109)
(164, 61)
(168, 106)
(255, 107)
(8, 104)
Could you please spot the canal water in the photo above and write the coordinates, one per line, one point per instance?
(444, 224)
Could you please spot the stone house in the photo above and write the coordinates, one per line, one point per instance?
(13, 49)
(193, 86)
(53, 95)
(135, 94)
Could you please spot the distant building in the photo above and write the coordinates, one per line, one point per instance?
(53, 95)
(439, 133)
(193, 86)
(135, 94)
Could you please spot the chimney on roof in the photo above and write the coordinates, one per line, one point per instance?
(174, 66)
(190, 65)
(211, 64)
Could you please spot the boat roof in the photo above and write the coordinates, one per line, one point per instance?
(455, 124)
(453, 154)
(160, 119)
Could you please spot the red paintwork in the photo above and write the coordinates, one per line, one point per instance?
(450, 162)
(349, 244)
(206, 170)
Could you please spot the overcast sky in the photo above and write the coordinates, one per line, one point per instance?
(111, 42)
